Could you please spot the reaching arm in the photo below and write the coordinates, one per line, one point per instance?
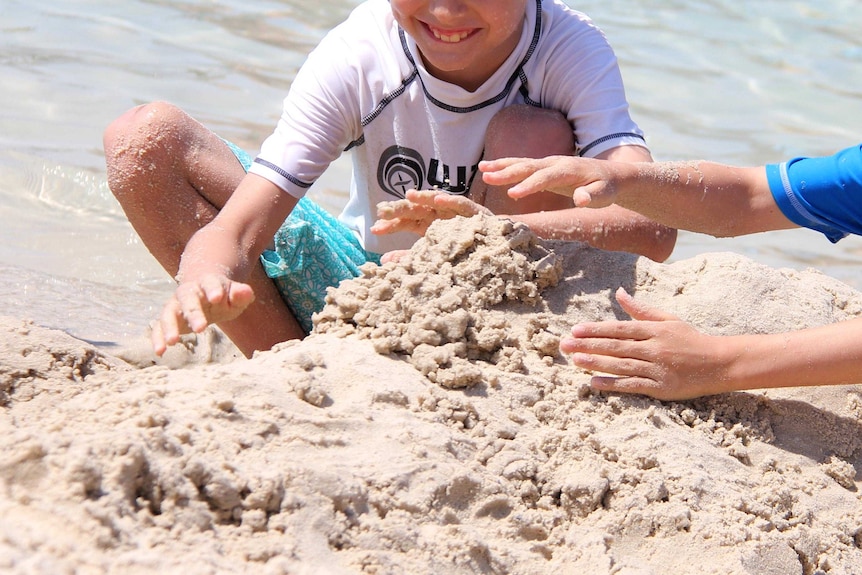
(219, 258)
(612, 228)
(705, 197)
(660, 356)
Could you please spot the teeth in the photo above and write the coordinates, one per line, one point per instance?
(451, 38)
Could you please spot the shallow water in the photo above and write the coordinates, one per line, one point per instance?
(733, 82)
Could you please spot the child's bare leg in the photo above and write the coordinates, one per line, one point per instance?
(524, 131)
(171, 176)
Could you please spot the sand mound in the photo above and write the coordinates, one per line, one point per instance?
(430, 426)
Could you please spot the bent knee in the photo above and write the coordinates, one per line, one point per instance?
(140, 123)
(143, 136)
(527, 131)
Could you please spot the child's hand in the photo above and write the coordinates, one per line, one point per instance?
(195, 305)
(586, 181)
(656, 354)
(420, 209)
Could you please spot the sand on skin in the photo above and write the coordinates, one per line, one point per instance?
(430, 426)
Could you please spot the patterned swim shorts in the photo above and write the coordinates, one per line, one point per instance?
(313, 251)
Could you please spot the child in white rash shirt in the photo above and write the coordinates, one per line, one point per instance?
(418, 92)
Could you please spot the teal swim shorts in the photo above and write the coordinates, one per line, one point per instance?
(313, 251)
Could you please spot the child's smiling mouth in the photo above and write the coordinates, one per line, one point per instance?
(450, 36)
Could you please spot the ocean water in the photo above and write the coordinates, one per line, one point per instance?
(741, 83)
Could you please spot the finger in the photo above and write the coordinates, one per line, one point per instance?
(612, 330)
(167, 330)
(528, 180)
(552, 179)
(632, 385)
(215, 289)
(402, 215)
(157, 339)
(616, 347)
(224, 299)
(386, 210)
(641, 311)
(505, 171)
(191, 300)
(511, 170)
(642, 353)
(425, 197)
(383, 227)
(491, 166)
(594, 195)
(622, 366)
(582, 198)
(240, 295)
(399, 208)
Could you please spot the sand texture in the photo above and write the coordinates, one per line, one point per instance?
(430, 426)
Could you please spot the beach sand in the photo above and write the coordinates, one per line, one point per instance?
(430, 426)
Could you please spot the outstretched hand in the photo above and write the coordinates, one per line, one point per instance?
(584, 180)
(420, 208)
(195, 305)
(657, 354)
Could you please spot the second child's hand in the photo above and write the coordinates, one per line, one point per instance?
(587, 181)
(655, 354)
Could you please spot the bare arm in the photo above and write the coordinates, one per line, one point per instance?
(660, 356)
(704, 197)
(612, 228)
(219, 258)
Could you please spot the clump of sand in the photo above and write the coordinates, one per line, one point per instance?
(440, 306)
(428, 425)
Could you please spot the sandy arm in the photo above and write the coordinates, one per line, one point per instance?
(660, 356)
(706, 197)
(218, 260)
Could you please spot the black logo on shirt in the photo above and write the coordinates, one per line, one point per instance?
(402, 169)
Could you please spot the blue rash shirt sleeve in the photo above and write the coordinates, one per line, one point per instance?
(824, 194)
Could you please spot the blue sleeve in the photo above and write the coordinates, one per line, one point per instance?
(824, 194)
